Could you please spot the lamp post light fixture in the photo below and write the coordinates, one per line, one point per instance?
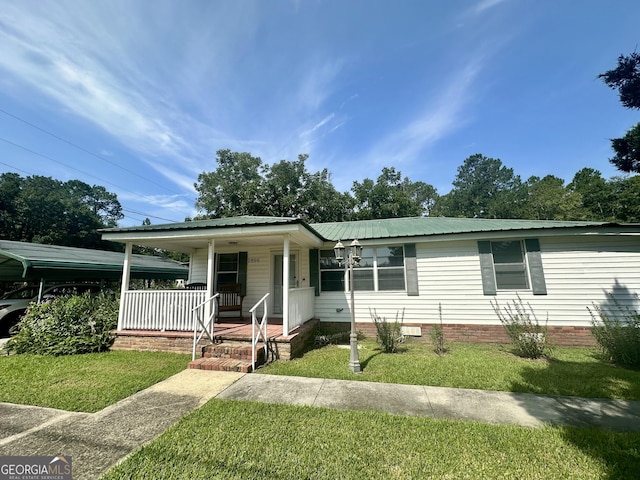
(352, 259)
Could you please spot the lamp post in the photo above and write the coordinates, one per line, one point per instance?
(353, 258)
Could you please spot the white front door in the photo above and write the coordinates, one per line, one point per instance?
(277, 279)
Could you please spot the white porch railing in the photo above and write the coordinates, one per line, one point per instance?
(301, 306)
(206, 326)
(160, 309)
(260, 327)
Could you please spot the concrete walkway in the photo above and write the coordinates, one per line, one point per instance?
(100, 440)
(453, 403)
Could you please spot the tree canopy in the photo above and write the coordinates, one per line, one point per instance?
(626, 79)
(43, 210)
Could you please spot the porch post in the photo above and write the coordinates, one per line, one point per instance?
(285, 287)
(126, 276)
(210, 267)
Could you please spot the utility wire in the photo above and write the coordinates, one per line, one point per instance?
(99, 157)
(123, 208)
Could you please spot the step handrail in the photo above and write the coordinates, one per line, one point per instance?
(198, 320)
(262, 329)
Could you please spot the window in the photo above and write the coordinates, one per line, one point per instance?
(331, 274)
(226, 269)
(510, 265)
(381, 269)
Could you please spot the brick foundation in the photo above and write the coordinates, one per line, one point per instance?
(488, 334)
(286, 347)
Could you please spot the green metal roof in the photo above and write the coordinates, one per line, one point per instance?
(377, 229)
(32, 261)
(429, 226)
(229, 222)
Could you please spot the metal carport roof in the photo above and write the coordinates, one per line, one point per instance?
(31, 261)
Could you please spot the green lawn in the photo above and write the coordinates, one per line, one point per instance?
(245, 440)
(570, 371)
(83, 383)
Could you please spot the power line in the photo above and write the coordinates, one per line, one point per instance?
(33, 152)
(99, 157)
(123, 208)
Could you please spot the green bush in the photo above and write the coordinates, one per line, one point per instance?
(389, 333)
(67, 325)
(527, 336)
(617, 332)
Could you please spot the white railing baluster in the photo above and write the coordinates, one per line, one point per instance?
(262, 329)
(198, 309)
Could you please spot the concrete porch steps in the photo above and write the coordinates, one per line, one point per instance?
(230, 356)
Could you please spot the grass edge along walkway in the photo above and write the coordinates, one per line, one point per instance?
(232, 439)
(570, 371)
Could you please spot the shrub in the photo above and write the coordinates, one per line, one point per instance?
(527, 336)
(389, 334)
(617, 332)
(437, 335)
(67, 325)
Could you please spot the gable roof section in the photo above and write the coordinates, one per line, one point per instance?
(32, 261)
(436, 226)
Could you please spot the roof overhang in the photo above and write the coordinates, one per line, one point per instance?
(234, 236)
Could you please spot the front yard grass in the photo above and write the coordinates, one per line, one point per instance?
(570, 371)
(229, 439)
(83, 383)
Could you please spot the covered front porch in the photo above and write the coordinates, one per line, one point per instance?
(268, 258)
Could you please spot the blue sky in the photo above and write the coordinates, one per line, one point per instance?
(137, 96)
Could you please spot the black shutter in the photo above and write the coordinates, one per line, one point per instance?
(486, 268)
(242, 272)
(314, 269)
(538, 284)
(411, 267)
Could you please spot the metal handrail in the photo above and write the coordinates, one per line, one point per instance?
(198, 320)
(262, 329)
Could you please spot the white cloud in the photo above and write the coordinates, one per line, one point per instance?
(440, 116)
(483, 5)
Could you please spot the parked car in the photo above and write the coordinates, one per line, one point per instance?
(14, 304)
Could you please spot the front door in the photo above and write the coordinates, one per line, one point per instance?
(278, 280)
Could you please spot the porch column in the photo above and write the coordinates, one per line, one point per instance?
(285, 287)
(210, 268)
(126, 276)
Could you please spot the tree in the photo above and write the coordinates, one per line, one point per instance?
(243, 185)
(233, 188)
(484, 188)
(392, 196)
(43, 210)
(626, 79)
(597, 196)
(549, 199)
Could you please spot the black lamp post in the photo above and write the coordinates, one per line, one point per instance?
(353, 258)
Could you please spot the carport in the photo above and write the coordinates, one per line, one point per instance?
(33, 262)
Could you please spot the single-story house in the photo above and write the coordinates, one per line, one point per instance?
(430, 269)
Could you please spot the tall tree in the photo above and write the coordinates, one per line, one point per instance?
(484, 188)
(549, 199)
(243, 185)
(626, 79)
(291, 191)
(233, 188)
(392, 196)
(43, 210)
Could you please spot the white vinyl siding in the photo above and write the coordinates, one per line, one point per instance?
(578, 270)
